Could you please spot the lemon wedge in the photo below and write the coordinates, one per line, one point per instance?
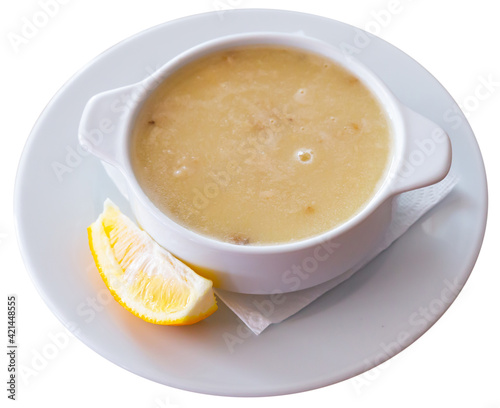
(145, 278)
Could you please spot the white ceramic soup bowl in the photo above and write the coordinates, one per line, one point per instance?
(421, 155)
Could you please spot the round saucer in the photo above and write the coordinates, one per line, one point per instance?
(375, 314)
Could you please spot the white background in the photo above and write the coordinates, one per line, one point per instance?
(454, 364)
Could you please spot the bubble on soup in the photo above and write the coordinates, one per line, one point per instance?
(305, 155)
(300, 95)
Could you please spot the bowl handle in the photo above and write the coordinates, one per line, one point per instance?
(103, 126)
(426, 157)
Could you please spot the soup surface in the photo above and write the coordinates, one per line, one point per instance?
(261, 145)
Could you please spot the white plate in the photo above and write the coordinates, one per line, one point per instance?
(361, 323)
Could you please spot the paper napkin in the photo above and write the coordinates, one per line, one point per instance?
(410, 206)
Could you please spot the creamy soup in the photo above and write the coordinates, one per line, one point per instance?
(261, 145)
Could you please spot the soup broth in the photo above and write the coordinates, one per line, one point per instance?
(261, 145)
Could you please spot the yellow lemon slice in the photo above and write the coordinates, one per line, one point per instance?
(145, 278)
